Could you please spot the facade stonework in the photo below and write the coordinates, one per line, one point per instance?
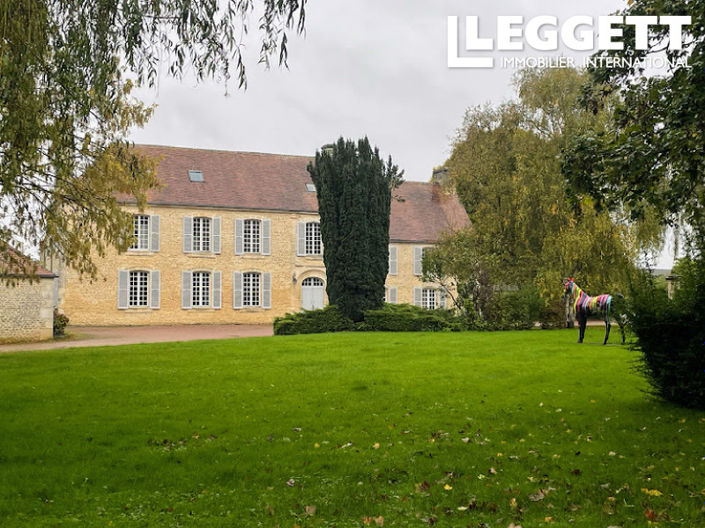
(27, 311)
(95, 303)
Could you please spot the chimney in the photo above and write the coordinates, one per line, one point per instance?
(328, 149)
(440, 176)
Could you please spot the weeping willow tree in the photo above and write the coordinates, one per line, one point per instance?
(527, 229)
(67, 69)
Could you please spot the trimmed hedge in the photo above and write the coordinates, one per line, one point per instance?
(671, 336)
(408, 318)
(390, 318)
(329, 319)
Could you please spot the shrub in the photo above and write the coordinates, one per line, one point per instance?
(408, 318)
(671, 336)
(513, 310)
(328, 319)
(60, 322)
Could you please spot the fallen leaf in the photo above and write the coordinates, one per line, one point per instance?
(538, 496)
(650, 514)
(548, 519)
(290, 482)
(423, 486)
(652, 492)
(375, 445)
(310, 510)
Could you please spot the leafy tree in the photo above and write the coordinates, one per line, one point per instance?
(354, 187)
(66, 108)
(652, 153)
(525, 230)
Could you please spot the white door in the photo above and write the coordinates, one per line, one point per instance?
(312, 294)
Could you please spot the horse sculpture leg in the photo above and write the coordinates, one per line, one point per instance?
(582, 323)
(607, 329)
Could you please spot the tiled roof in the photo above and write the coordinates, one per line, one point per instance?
(275, 182)
(15, 264)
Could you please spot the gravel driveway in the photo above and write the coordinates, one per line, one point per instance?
(82, 336)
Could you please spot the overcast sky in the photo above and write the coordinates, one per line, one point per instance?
(366, 67)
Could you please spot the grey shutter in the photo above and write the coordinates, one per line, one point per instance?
(239, 229)
(266, 237)
(215, 235)
(188, 234)
(418, 260)
(266, 290)
(393, 260)
(417, 297)
(123, 289)
(301, 238)
(154, 233)
(237, 290)
(186, 287)
(392, 293)
(217, 289)
(155, 281)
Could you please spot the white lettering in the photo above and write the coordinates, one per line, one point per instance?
(506, 32)
(607, 32)
(675, 25)
(454, 59)
(586, 40)
(472, 36)
(641, 28)
(533, 33)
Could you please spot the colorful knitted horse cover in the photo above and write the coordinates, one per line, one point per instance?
(582, 302)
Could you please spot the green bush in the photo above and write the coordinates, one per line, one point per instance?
(671, 335)
(408, 318)
(513, 310)
(60, 322)
(328, 319)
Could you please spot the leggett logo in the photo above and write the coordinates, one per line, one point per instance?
(542, 33)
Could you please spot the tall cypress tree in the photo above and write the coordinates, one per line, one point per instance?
(354, 187)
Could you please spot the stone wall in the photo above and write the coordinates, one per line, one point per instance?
(26, 311)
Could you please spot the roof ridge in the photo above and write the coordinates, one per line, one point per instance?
(200, 149)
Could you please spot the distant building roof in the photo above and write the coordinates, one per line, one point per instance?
(15, 264)
(276, 182)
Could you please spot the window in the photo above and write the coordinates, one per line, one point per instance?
(250, 289)
(429, 299)
(313, 238)
(201, 288)
(195, 176)
(310, 187)
(251, 236)
(141, 233)
(138, 290)
(419, 252)
(201, 234)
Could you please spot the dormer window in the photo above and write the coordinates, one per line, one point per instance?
(310, 187)
(195, 176)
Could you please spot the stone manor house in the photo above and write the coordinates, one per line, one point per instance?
(233, 237)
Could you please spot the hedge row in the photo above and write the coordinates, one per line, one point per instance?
(390, 318)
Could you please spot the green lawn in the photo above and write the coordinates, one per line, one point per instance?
(347, 430)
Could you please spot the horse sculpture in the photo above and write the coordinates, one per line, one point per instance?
(584, 305)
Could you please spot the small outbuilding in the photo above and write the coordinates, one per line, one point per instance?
(26, 300)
